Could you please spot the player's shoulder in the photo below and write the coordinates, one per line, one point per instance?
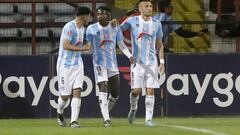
(157, 16)
(162, 17)
(116, 29)
(133, 18)
(69, 25)
(154, 20)
(93, 26)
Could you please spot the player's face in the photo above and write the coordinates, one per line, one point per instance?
(169, 10)
(86, 19)
(103, 15)
(146, 8)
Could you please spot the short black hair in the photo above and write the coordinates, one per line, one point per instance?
(163, 4)
(104, 8)
(83, 11)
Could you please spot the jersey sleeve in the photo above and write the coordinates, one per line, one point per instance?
(119, 35)
(156, 17)
(159, 30)
(68, 32)
(126, 24)
(89, 35)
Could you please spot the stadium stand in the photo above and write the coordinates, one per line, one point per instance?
(16, 23)
(189, 11)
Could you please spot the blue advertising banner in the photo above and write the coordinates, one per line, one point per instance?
(28, 88)
(23, 86)
(195, 85)
(203, 84)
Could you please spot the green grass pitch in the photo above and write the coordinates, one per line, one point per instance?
(120, 126)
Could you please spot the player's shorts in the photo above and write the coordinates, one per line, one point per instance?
(144, 76)
(102, 74)
(70, 78)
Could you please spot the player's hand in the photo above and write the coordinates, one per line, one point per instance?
(114, 22)
(86, 47)
(202, 32)
(162, 68)
(132, 60)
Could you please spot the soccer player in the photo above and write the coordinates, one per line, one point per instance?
(70, 65)
(102, 36)
(146, 35)
(166, 9)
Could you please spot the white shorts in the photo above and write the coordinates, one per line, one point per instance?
(102, 74)
(70, 78)
(144, 76)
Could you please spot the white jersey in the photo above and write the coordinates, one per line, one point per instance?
(144, 35)
(103, 41)
(75, 35)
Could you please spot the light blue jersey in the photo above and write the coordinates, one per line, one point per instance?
(75, 35)
(143, 35)
(167, 28)
(103, 41)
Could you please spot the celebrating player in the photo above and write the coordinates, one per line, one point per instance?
(146, 33)
(70, 65)
(102, 36)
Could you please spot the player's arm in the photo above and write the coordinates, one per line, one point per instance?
(70, 47)
(125, 51)
(179, 30)
(161, 54)
(122, 46)
(114, 22)
(68, 36)
(160, 48)
(185, 33)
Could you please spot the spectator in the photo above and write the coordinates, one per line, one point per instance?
(164, 16)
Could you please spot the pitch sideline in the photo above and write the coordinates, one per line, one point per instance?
(189, 128)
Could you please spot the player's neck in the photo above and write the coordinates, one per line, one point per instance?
(103, 23)
(79, 23)
(146, 18)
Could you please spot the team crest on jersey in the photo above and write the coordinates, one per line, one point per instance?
(98, 33)
(69, 33)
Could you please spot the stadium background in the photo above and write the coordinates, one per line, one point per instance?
(32, 27)
(29, 38)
